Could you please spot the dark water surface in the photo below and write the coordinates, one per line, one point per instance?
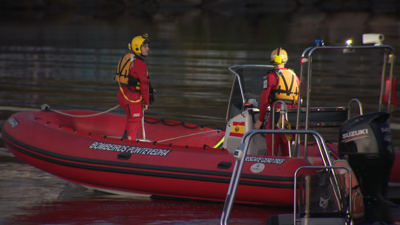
(67, 60)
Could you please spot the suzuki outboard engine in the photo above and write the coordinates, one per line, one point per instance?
(365, 142)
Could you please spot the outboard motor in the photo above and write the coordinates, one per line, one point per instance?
(365, 142)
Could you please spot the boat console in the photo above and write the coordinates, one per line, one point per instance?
(243, 110)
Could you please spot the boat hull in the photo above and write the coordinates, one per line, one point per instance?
(65, 148)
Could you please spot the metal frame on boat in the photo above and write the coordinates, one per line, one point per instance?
(307, 58)
(345, 213)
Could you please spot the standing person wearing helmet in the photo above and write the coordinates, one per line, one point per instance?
(134, 85)
(279, 84)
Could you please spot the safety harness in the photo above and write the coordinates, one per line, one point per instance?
(125, 79)
(283, 92)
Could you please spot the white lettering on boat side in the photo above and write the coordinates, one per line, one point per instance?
(129, 149)
(264, 160)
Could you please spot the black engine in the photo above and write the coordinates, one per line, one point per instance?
(365, 142)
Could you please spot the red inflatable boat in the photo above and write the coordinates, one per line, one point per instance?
(89, 151)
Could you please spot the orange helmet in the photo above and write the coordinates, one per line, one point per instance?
(278, 56)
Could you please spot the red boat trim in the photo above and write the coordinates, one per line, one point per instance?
(131, 168)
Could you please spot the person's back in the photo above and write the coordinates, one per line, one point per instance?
(279, 84)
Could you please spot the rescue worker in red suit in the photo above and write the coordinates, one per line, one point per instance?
(279, 84)
(134, 85)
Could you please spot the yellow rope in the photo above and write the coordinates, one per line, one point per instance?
(132, 101)
(219, 143)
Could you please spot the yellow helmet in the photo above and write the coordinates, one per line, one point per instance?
(137, 43)
(278, 56)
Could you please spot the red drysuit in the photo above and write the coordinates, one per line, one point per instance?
(272, 82)
(133, 100)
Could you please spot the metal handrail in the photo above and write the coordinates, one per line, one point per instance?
(387, 50)
(241, 153)
(359, 106)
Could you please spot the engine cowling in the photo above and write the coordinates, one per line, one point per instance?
(365, 142)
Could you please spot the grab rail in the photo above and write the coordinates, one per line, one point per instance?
(359, 106)
(241, 153)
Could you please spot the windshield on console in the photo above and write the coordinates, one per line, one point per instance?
(248, 85)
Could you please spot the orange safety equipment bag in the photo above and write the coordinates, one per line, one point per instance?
(123, 73)
(124, 78)
(357, 198)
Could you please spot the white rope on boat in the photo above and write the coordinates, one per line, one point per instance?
(43, 107)
(19, 109)
(188, 135)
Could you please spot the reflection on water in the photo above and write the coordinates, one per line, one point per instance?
(68, 61)
(24, 186)
(31, 196)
